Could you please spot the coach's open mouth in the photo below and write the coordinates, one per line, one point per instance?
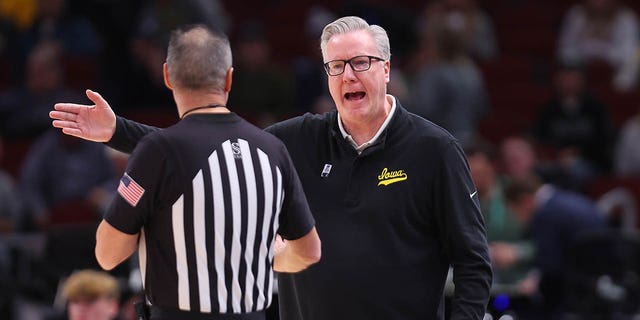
(353, 96)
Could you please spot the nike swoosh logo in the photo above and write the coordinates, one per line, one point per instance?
(473, 194)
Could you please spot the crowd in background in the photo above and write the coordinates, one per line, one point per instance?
(543, 95)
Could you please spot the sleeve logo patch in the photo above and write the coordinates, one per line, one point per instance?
(130, 190)
(388, 177)
(326, 170)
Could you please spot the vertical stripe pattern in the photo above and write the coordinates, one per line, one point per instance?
(236, 208)
(177, 214)
(279, 199)
(219, 225)
(199, 234)
(267, 180)
(235, 198)
(252, 211)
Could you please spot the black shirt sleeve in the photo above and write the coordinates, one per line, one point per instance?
(138, 188)
(463, 234)
(128, 133)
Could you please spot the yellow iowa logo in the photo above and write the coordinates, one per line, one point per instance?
(388, 177)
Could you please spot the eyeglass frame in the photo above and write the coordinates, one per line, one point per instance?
(344, 66)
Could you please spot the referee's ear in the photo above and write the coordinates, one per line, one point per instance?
(165, 75)
(228, 80)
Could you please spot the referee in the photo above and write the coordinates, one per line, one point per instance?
(203, 200)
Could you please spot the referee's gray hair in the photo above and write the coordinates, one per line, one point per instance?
(198, 58)
(353, 23)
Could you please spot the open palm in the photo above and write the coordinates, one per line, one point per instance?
(90, 122)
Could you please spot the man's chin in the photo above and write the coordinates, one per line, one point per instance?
(352, 113)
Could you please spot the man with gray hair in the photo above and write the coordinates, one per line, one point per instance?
(391, 192)
(203, 200)
(392, 195)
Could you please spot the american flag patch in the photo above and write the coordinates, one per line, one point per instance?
(130, 190)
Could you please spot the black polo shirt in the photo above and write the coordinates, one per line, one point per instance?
(392, 220)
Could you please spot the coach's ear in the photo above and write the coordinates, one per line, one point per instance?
(228, 80)
(165, 75)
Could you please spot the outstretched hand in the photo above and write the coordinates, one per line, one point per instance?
(90, 122)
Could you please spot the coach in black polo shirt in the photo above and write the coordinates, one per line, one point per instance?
(391, 193)
(203, 200)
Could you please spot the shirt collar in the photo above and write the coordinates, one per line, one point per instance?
(363, 146)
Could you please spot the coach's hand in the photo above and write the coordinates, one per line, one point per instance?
(279, 245)
(90, 122)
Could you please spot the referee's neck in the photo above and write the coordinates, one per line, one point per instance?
(187, 101)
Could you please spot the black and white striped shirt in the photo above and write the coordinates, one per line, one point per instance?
(216, 190)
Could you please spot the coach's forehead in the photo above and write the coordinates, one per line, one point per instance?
(350, 44)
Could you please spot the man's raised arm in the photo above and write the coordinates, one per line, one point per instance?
(98, 123)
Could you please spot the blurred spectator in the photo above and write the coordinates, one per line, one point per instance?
(61, 176)
(398, 85)
(148, 44)
(519, 160)
(10, 200)
(159, 17)
(25, 109)
(450, 89)
(627, 153)
(10, 213)
(310, 82)
(398, 21)
(54, 21)
(101, 197)
(262, 90)
(511, 252)
(430, 20)
(15, 17)
(20, 13)
(602, 30)
(468, 19)
(576, 126)
(91, 295)
(555, 218)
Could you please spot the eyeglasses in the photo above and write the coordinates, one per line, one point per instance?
(357, 63)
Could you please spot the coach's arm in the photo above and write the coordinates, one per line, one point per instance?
(113, 246)
(296, 255)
